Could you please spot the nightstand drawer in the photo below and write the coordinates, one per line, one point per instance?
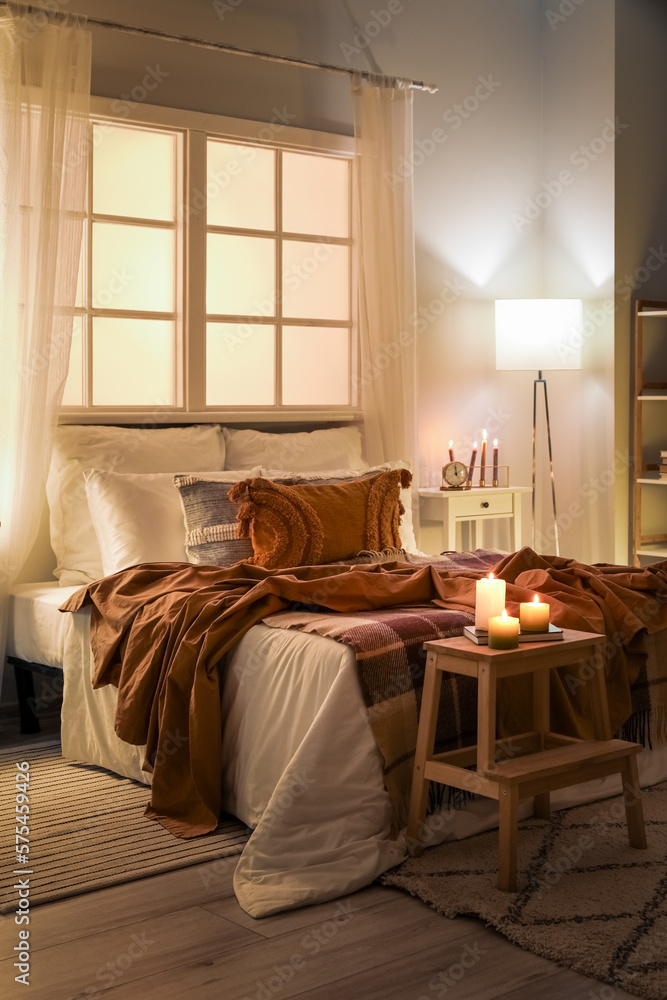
(479, 506)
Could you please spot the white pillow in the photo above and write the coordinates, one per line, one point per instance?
(139, 518)
(407, 527)
(301, 451)
(78, 449)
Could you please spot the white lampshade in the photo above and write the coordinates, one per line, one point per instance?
(538, 334)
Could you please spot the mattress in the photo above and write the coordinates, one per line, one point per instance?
(40, 633)
(37, 631)
(301, 767)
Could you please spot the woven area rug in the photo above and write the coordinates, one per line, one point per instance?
(87, 829)
(586, 900)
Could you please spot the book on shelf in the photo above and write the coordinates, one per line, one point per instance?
(481, 635)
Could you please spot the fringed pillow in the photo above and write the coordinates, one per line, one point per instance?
(319, 523)
(292, 478)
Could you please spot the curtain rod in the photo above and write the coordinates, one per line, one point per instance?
(232, 49)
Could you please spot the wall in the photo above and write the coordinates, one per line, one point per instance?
(581, 138)
(485, 58)
(524, 92)
(641, 203)
(476, 153)
(208, 81)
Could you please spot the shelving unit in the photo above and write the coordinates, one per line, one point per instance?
(648, 545)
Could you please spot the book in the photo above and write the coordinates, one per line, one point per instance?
(481, 635)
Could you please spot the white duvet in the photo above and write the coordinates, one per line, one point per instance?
(301, 766)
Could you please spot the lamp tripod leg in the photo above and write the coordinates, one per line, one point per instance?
(534, 439)
(543, 381)
(551, 469)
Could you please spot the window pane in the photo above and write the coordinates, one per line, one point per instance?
(240, 361)
(316, 366)
(133, 267)
(316, 281)
(315, 195)
(133, 172)
(240, 186)
(73, 394)
(240, 275)
(133, 362)
(81, 277)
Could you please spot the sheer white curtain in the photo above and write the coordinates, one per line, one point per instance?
(385, 243)
(44, 138)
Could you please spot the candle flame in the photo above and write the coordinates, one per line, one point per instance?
(451, 444)
(495, 442)
(490, 576)
(484, 434)
(504, 614)
(537, 599)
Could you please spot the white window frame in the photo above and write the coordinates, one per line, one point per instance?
(190, 407)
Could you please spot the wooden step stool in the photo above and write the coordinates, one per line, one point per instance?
(546, 760)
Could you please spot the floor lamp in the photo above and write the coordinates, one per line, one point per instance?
(542, 335)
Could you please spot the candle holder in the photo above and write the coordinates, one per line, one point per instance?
(502, 479)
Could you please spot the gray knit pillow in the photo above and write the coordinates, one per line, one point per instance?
(211, 529)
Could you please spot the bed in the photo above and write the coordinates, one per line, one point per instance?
(291, 704)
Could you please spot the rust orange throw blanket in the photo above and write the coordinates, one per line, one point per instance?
(158, 632)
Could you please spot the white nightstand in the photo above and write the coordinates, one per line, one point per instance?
(440, 511)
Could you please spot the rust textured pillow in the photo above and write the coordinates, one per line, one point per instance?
(310, 524)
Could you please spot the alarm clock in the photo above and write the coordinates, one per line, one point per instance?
(454, 476)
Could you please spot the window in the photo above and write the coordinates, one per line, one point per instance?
(125, 351)
(216, 274)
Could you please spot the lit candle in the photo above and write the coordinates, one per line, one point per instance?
(451, 451)
(472, 461)
(482, 460)
(489, 600)
(503, 632)
(495, 462)
(534, 617)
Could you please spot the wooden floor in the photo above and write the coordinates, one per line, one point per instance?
(183, 935)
